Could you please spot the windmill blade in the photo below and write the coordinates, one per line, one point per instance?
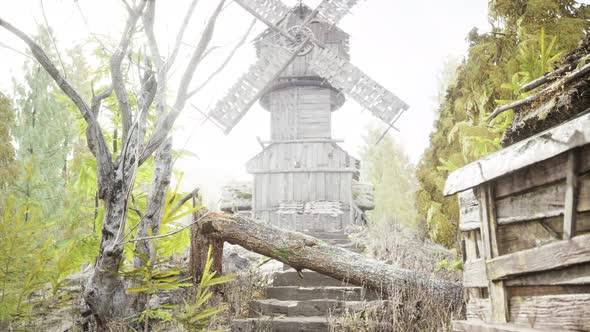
(356, 84)
(335, 10)
(248, 89)
(271, 12)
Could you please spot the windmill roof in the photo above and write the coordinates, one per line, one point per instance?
(303, 10)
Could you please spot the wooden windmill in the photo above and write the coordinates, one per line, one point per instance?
(302, 179)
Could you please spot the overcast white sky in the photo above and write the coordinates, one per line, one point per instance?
(402, 44)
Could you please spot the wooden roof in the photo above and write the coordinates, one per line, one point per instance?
(534, 149)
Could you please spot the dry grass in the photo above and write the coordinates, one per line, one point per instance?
(249, 285)
(401, 309)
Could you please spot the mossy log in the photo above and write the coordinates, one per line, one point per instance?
(305, 252)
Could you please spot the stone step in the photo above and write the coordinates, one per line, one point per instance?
(274, 307)
(280, 324)
(294, 293)
(310, 279)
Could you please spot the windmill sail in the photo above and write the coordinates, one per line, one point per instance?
(246, 91)
(268, 11)
(334, 10)
(356, 84)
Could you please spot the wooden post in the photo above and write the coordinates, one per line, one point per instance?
(200, 247)
(571, 193)
(489, 233)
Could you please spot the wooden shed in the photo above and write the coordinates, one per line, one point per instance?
(525, 220)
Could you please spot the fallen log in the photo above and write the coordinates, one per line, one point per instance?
(305, 252)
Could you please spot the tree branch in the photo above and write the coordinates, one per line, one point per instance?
(225, 62)
(180, 34)
(97, 100)
(96, 141)
(52, 39)
(116, 72)
(188, 196)
(169, 234)
(163, 128)
(584, 71)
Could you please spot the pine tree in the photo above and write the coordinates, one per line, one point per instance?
(43, 133)
(387, 167)
(8, 167)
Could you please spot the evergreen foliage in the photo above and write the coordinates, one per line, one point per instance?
(43, 134)
(387, 167)
(526, 38)
(8, 167)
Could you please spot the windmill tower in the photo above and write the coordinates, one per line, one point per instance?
(303, 180)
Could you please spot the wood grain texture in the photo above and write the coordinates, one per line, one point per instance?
(544, 202)
(474, 273)
(530, 234)
(532, 176)
(551, 256)
(479, 309)
(468, 211)
(479, 326)
(569, 312)
(571, 194)
(489, 230)
(471, 249)
(573, 275)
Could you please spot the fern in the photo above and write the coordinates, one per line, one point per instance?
(195, 315)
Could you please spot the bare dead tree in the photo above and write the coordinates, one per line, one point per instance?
(105, 293)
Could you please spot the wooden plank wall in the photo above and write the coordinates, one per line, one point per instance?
(303, 112)
(535, 228)
(320, 171)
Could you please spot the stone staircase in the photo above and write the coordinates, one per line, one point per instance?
(303, 304)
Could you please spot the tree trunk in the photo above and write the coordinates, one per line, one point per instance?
(200, 247)
(304, 252)
(105, 292)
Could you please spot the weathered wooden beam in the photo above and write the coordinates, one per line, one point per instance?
(552, 312)
(304, 252)
(574, 275)
(538, 148)
(474, 274)
(303, 170)
(551, 256)
(302, 140)
(571, 193)
(479, 326)
(489, 231)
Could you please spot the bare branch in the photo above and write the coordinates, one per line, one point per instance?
(180, 34)
(116, 73)
(96, 141)
(171, 233)
(136, 210)
(63, 68)
(127, 6)
(188, 196)
(17, 51)
(97, 100)
(581, 72)
(225, 62)
(163, 128)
